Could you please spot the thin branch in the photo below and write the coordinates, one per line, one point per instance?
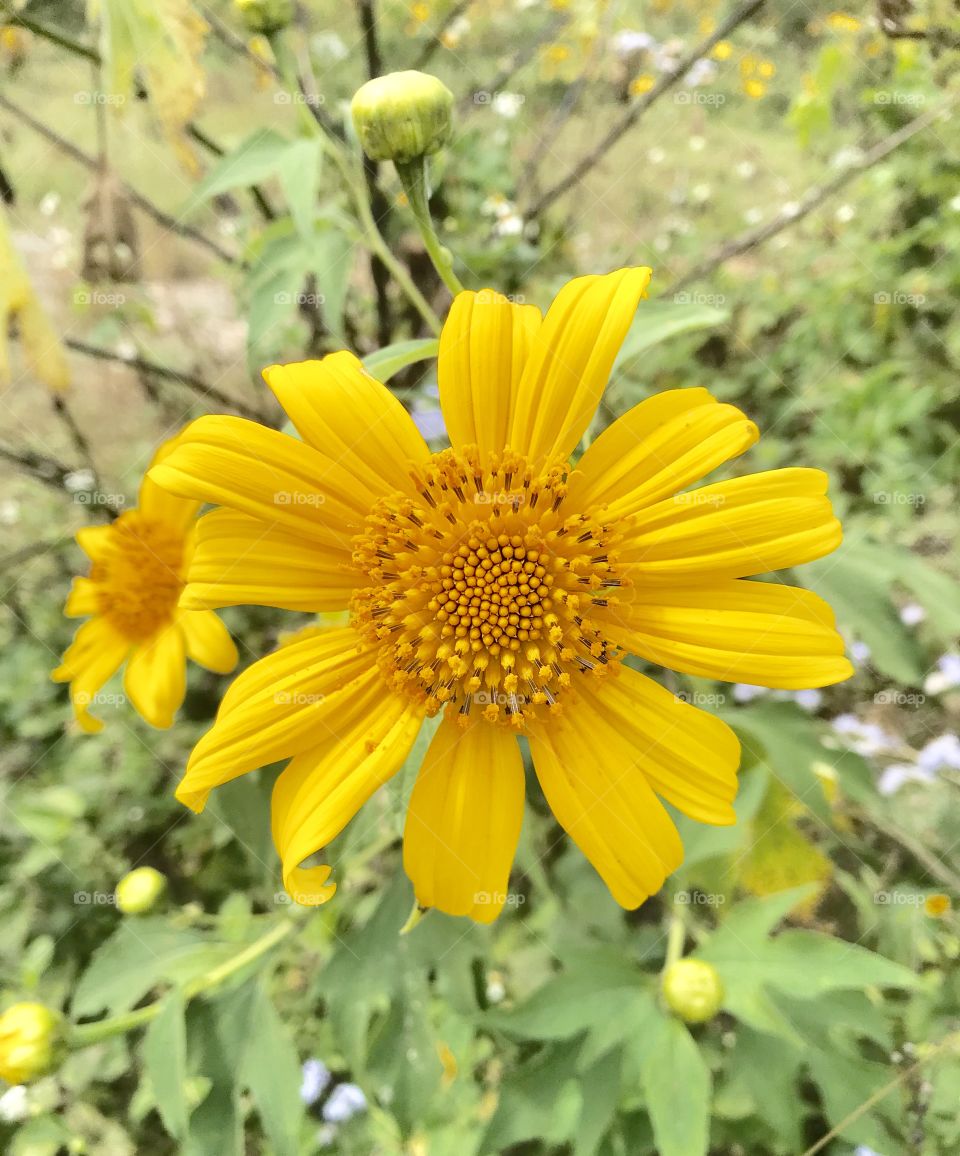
(201, 388)
(34, 550)
(814, 197)
(71, 150)
(521, 58)
(45, 469)
(371, 174)
(436, 38)
(636, 111)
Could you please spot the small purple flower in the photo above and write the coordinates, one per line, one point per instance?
(346, 1100)
(744, 692)
(314, 1078)
(808, 699)
(940, 754)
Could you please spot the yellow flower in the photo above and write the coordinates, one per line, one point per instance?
(842, 22)
(937, 906)
(642, 83)
(722, 50)
(766, 69)
(137, 575)
(29, 1042)
(495, 584)
(755, 89)
(748, 64)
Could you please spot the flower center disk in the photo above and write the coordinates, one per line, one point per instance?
(481, 589)
(139, 577)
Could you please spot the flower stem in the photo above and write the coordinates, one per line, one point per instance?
(83, 1035)
(676, 934)
(413, 177)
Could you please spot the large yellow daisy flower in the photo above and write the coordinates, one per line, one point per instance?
(499, 585)
(138, 568)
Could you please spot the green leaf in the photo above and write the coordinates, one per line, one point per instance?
(600, 1087)
(386, 362)
(660, 320)
(857, 586)
(676, 1087)
(801, 964)
(259, 156)
(139, 955)
(298, 168)
(270, 1068)
(215, 1124)
(540, 1100)
(573, 1001)
(165, 1059)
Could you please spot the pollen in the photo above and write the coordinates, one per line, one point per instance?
(139, 575)
(480, 589)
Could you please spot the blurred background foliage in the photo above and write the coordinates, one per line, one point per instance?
(174, 213)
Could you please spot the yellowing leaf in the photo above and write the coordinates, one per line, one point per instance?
(780, 855)
(159, 43)
(19, 306)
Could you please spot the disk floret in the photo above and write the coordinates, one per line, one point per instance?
(139, 577)
(480, 588)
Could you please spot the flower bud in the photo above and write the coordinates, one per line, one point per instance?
(139, 891)
(30, 1042)
(402, 116)
(265, 16)
(693, 990)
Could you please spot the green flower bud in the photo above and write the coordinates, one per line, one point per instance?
(31, 1042)
(402, 116)
(139, 891)
(693, 990)
(265, 16)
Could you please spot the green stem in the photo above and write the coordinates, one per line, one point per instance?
(356, 186)
(413, 177)
(83, 1035)
(676, 935)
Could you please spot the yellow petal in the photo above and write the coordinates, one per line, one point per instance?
(761, 633)
(597, 785)
(658, 448)
(484, 346)
(94, 541)
(283, 705)
(208, 640)
(464, 819)
(733, 529)
(82, 600)
(570, 361)
(242, 561)
(232, 462)
(92, 659)
(351, 419)
(688, 756)
(155, 680)
(322, 789)
(161, 504)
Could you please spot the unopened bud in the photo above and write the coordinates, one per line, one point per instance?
(692, 989)
(402, 116)
(139, 891)
(265, 16)
(30, 1042)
